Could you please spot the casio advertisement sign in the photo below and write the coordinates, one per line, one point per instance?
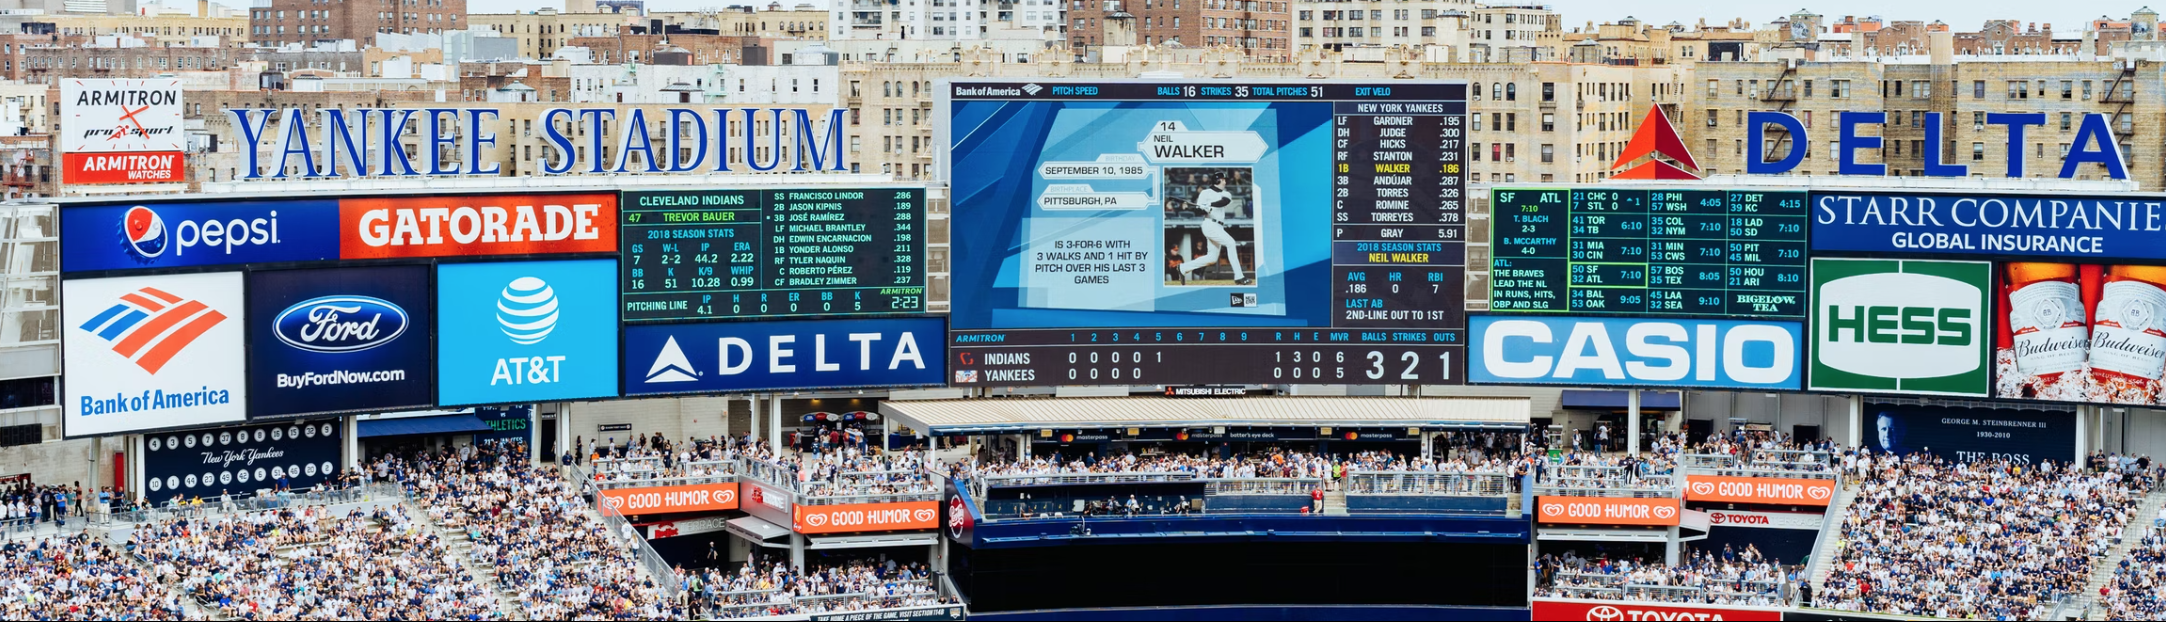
(524, 332)
(132, 236)
(1896, 326)
(339, 339)
(1587, 351)
(767, 356)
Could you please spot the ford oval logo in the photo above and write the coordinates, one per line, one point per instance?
(339, 324)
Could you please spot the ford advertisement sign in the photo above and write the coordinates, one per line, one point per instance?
(770, 356)
(339, 340)
(1587, 351)
(133, 236)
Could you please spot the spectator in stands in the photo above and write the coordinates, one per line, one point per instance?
(78, 578)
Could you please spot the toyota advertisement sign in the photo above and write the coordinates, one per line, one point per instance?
(1604, 611)
(339, 340)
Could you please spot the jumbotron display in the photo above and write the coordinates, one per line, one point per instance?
(1609, 251)
(1176, 233)
(720, 254)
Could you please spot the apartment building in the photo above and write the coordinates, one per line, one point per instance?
(306, 21)
(1257, 29)
(1339, 24)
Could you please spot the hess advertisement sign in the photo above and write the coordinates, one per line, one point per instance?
(132, 236)
(153, 352)
(469, 225)
(1759, 490)
(665, 499)
(1607, 511)
(860, 517)
(336, 340)
(529, 331)
(1894, 326)
(766, 356)
(1642, 352)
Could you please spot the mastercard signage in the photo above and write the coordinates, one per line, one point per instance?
(472, 225)
(862, 517)
(1760, 490)
(1607, 511)
(666, 499)
(1618, 611)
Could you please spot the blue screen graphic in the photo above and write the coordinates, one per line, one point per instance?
(767, 356)
(523, 332)
(134, 236)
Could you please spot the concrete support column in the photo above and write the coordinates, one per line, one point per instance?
(1855, 436)
(756, 419)
(797, 552)
(564, 430)
(887, 429)
(533, 433)
(1632, 423)
(2083, 432)
(774, 423)
(350, 431)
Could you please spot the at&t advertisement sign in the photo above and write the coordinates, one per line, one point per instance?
(526, 331)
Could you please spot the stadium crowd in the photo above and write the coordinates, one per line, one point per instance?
(766, 588)
(528, 524)
(1730, 577)
(78, 577)
(1991, 539)
(2138, 588)
(309, 564)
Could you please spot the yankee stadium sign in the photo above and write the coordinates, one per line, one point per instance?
(365, 142)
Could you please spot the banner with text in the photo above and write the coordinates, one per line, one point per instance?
(1972, 434)
(1607, 511)
(1759, 490)
(666, 499)
(121, 131)
(477, 225)
(239, 460)
(859, 517)
(1620, 611)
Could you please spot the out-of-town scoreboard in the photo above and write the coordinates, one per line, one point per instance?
(1649, 252)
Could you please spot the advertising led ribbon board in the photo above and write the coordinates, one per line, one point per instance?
(705, 254)
(1189, 233)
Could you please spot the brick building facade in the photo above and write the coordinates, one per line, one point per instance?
(305, 21)
(1260, 29)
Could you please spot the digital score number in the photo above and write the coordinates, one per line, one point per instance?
(720, 254)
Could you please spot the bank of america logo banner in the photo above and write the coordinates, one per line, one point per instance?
(149, 326)
(153, 352)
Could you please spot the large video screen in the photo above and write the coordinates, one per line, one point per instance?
(1201, 233)
(788, 252)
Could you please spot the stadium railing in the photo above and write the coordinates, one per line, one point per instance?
(657, 568)
(1607, 481)
(271, 501)
(712, 472)
(822, 492)
(1776, 463)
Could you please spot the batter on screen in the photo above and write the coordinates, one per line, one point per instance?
(1210, 216)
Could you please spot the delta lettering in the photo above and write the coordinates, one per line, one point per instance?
(779, 351)
(367, 141)
(154, 400)
(2093, 144)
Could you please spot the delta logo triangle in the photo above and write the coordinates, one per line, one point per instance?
(1656, 136)
(671, 365)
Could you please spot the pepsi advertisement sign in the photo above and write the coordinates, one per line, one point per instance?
(339, 340)
(134, 236)
(1587, 351)
(525, 332)
(770, 356)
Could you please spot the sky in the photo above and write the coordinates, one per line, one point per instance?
(1964, 15)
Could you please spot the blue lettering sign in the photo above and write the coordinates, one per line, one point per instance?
(770, 356)
(1636, 352)
(2088, 227)
(130, 236)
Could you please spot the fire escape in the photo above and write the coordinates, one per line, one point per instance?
(2121, 93)
(1782, 93)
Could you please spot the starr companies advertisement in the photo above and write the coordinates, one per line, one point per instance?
(146, 353)
(121, 131)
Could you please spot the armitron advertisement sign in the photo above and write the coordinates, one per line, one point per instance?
(1614, 611)
(664, 499)
(1607, 511)
(477, 225)
(861, 517)
(1759, 490)
(121, 131)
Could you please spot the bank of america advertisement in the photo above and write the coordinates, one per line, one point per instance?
(527, 331)
(339, 340)
(153, 352)
(1896, 326)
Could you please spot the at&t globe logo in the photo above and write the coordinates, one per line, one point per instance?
(145, 234)
(527, 312)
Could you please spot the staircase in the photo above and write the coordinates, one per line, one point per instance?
(1335, 502)
(461, 549)
(2102, 572)
(1830, 543)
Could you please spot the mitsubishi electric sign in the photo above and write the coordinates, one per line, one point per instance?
(152, 352)
(1897, 326)
(769, 356)
(525, 332)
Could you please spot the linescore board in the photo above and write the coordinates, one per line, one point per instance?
(800, 252)
(1633, 252)
(1226, 232)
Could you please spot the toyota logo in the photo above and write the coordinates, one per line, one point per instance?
(922, 516)
(1703, 488)
(1552, 509)
(1820, 493)
(1716, 518)
(817, 519)
(1665, 512)
(1604, 613)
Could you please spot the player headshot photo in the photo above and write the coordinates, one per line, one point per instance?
(1211, 220)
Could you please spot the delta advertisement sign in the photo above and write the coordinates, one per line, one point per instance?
(864, 517)
(121, 131)
(1759, 490)
(1620, 511)
(671, 499)
(768, 356)
(1617, 611)
(132, 236)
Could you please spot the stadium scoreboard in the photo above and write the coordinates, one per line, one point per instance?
(793, 252)
(1634, 252)
(1259, 232)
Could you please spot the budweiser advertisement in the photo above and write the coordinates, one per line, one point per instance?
(665, 499)
(1617, 611)
(1760, 490)
(121, 131)
(858, 517)
(477, 225)
(1607, 511)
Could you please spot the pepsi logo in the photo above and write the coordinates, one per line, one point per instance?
(1604, 613)
(145, 233)
(340, 324)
